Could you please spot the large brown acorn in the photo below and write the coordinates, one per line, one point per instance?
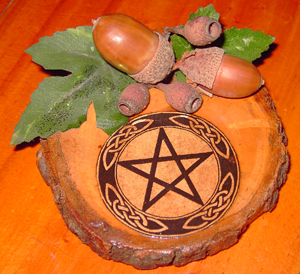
(210, 71)
(133, 48)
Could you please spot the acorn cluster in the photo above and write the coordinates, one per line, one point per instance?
(148, 57)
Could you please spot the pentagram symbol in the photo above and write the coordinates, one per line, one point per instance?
(168, 174)
(155, 160)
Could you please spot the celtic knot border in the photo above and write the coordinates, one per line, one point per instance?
(130, 215)
(117, 142)
(212, 210)
(204, 217)
(200, 127)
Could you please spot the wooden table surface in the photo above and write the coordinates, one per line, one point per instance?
(33, 235)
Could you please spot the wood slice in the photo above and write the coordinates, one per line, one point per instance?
(69, 162)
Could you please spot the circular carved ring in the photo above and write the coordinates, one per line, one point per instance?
(168, 174)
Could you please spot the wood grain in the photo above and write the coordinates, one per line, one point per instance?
(33, 235)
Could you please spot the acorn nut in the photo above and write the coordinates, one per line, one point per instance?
(133, 48)
(210, 70)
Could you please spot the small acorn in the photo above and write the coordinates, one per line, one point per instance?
(133, 99)
(133, 48)
(210, 70)
(199, 31)
(181, 96)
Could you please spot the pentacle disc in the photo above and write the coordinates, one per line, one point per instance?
(168, 174)
(167, 188)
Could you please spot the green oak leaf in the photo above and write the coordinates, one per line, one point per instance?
(242, 43)
(180, 77)
(206, 11)
(61, 103)
(245, 43)
(180, 45)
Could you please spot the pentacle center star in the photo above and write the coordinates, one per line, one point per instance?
(152, 177)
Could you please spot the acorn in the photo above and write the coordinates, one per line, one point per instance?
(133, 48)
(199, 31)
(210, 71)
(181, 96)
(133, 99)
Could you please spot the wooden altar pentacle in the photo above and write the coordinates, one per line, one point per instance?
(168, 174)
(123, 221)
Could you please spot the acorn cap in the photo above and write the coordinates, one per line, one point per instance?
(202, 30)
(181, 96)
(198, 31)
(160, 66)
(201, 65)
(133, 99)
